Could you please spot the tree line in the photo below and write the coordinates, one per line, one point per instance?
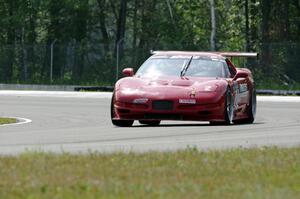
(80, 38)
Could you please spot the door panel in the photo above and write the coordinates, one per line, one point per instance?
(243, 92)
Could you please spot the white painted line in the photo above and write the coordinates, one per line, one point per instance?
(20, 120)
(278, 98)
(107, 95)
(67, 94)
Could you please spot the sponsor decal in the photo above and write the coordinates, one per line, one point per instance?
(243, 88)
(193, 93)
(187, 101)
(140, 100)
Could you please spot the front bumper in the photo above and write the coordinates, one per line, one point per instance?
(201, 111)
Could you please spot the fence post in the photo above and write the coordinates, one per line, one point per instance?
(118, 51)
(51, 60)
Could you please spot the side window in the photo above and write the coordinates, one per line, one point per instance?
(226, 70)
(232, 72)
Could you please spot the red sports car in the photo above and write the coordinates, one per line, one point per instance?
(179, 85)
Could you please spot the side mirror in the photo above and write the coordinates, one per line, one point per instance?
(240, 74)
(128, 72)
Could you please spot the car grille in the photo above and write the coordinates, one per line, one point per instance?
(162, 105)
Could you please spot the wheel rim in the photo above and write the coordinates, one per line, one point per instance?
(229, 107)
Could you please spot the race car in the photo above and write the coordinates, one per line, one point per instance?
(189, 86)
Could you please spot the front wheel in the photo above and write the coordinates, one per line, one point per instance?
(228, 110)
(229, 106)
(120, 123)
(150, 122)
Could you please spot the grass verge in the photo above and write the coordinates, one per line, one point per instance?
(236, 173)
(7, 120)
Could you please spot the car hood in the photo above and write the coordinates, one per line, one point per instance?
(185, 82)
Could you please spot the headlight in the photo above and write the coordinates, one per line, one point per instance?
(208, 88)
(129, 91)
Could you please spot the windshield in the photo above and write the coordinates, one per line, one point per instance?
(199, 67)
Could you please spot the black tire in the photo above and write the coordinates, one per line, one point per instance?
(228, 110)
(120, 123)
(150, 123)
(216, 123)
(251, 110)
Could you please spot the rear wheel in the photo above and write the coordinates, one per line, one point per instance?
(150, 123)
(120, 123)
(252, 107)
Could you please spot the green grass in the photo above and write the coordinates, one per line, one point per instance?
(7, 120)
(237, 173)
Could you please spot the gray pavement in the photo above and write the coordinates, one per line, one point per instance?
(76, 124)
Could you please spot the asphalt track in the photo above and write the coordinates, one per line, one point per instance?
(80, 122)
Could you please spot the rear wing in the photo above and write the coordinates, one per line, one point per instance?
(224, 54)
(238, 54)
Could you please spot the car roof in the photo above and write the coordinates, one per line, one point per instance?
(188, 53)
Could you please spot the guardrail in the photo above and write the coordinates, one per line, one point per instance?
(37, 87)
(94, 88)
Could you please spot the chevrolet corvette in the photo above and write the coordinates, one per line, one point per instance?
(189, 86)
